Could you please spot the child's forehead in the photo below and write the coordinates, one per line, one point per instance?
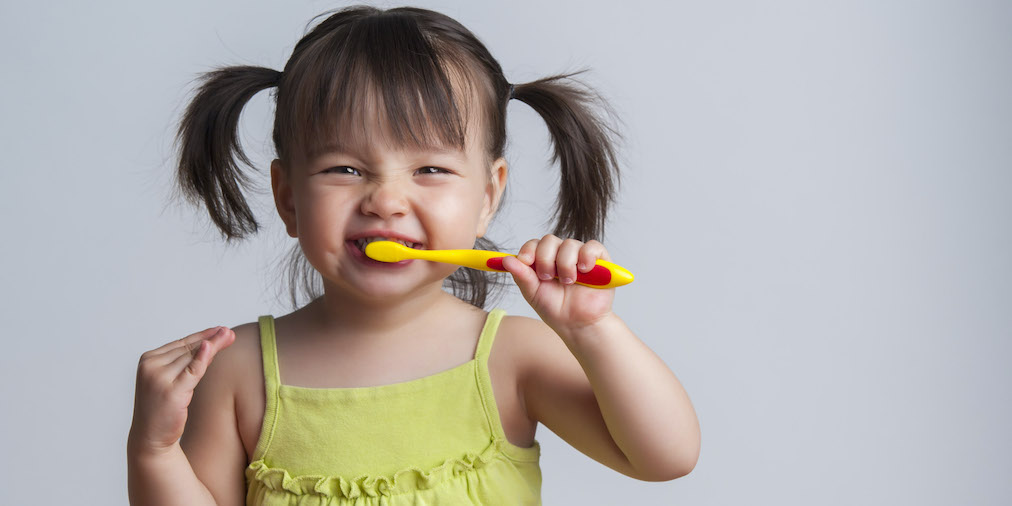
(372, 136)
(380, 147)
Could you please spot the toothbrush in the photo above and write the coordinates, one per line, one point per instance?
(604, 275)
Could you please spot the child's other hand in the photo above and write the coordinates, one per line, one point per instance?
(562, 304)
(166, 378)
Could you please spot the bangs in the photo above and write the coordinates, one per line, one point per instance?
(375, 74)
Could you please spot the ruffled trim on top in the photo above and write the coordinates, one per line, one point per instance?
(405, 480)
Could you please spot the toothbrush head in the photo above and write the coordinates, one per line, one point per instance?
(386, 251)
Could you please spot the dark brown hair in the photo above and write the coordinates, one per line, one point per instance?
(429, 77)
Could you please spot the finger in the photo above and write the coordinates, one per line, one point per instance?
(526, 253)
(185, 346)
(524, 276)
(544, 257)
(589, 253)
(193, 366)
(565, 260)
(172, 355)
(190, 339)
(181, 362)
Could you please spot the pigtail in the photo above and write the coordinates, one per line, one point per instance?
(478, 288)
(583, 146)
(208, 141)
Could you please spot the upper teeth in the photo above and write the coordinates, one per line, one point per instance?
(366, 240)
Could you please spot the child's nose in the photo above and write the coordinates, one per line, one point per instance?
(385, 200)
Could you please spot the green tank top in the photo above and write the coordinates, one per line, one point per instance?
(432, 440)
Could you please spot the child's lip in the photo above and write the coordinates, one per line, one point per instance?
(389, 234)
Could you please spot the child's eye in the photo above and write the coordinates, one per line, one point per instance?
(342, 169)
(432, 170)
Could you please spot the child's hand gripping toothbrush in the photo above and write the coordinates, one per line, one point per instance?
(604, 275)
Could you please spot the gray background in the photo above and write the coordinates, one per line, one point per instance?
(816, 204)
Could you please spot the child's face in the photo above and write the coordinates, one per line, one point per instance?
(369, 188)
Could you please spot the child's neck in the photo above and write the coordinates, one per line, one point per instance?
(337, 311)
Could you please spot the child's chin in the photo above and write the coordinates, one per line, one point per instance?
(391, 288)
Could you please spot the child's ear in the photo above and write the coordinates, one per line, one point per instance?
(493, 193)
(283, 197)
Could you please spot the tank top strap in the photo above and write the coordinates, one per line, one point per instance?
(488, 332)
(272, 381)
(482, 377)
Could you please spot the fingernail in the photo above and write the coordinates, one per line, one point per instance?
(567, 281)
(545, 276)
(583, 267)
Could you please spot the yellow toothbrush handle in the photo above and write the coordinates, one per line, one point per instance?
(604, 274)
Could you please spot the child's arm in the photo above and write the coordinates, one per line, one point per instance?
(599, 387)
(609, 396)
(164, 479)
(159, 472)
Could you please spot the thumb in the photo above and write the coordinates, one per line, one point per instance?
(523, 275)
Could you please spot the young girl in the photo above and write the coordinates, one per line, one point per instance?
(385, 388)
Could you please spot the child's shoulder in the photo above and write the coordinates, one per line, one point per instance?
(239, 368)
(529, 344)
(229, 366)
(235, 360)
(521, 328)
(240, 365)
(242, 362)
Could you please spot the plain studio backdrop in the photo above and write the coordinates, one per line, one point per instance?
(816, 203)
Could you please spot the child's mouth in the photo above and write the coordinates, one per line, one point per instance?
(360, 243)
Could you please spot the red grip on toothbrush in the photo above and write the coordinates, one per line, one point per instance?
(495, 263)
(599, 275)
